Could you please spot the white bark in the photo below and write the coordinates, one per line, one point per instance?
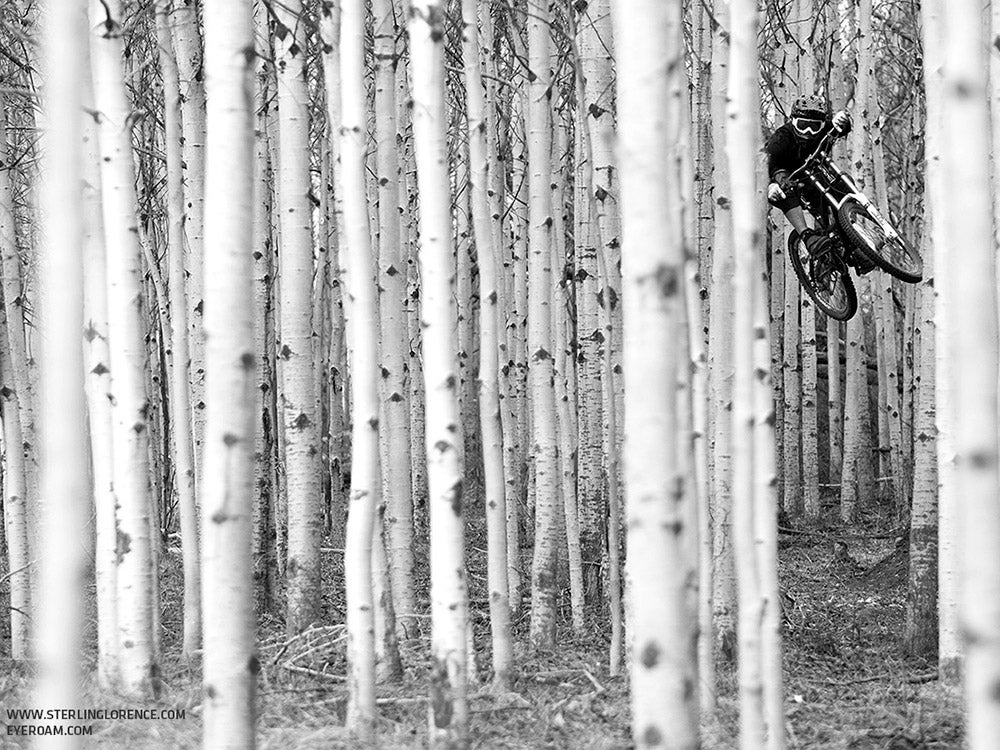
(754, 497)
(720, 344)
(297, 398)
(187, 44)
(18, 518)
(662, 663)
(949, 637)
(392, 311)
(15, 511)
(65, 481)
(97, 359)
(180, 401)
(125, 331)
(231, 664)
(448, 706)
(362, 321)
(489, 401)
(810, 418)
(540, 356)
(970, 336)
(14, 292)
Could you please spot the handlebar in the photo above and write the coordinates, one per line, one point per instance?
(831, 134)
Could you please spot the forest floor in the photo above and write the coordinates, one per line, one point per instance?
(847, 686)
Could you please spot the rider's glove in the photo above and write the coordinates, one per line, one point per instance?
(842, 122)
(775, 193)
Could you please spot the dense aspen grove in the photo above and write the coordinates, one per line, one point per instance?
(435, 373)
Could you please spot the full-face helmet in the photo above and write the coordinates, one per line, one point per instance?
(809, 116)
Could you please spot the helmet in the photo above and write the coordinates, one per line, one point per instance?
(808, 116)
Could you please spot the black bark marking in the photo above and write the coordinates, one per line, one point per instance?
(456, 497)
(123, 545)
(229, 440)
(666, 279)
(649, 657)
(651, 736)
(301, 421)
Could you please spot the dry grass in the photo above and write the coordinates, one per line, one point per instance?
(847, 685)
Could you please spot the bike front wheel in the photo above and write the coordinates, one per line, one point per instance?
(825, 279)
(890, 252)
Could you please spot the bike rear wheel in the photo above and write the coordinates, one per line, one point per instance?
(865, 232)
(825, 279)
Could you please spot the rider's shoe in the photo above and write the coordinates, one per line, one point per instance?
(863, 265)
(821, 260)
(816, 242)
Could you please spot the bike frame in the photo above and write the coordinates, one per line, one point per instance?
(826, 176)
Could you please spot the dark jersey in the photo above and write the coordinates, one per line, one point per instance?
(786, 153)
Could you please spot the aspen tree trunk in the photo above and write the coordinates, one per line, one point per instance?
(662, 668)
(890, 430)
(856, 483)
(810, 421)
(540, 367)
(791, 447)
(949, 643)
(720, 349)
(697, 279)
(98, 387)
(264, 552)
(388, 663)
(699, 430)
(62, 425)
(921, 635)
(776, 318)
(360, 311)
(517, 367)
(448, 706)
(605, 332)
(231, 663)
(329, 29)
(565, 381)
(834, 399)
(741, 146)
(701, 73)
(299, 419)
(489, 401)
(392, 298)
(180, 418)
(15, 512)
(970, 336)
(596, 53)
(597, 224)
(754, 496)
(19, 517)
(125, 332)
(590, 497)
(765, 500)
(187, 44)
(14, 294)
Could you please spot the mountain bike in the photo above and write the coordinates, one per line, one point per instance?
(859, 235)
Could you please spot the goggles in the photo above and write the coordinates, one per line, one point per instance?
(808, 125)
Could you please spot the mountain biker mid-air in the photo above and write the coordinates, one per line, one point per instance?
(787, 149)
